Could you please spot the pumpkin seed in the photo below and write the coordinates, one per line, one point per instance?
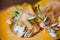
(16, 28)
(42, 25)
(28, 34)
(56, 28)
(9, 21)
(47, 22)
(53, 24)
(53, 34)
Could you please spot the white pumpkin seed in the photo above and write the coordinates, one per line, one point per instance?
(16, 18)
(20, 32)
(16, 28)
(28, 34)
(45, 19)
(53, 34)
(21, 29)
(52, 30)
(47, 22)
(53, 25)
(42, 25)
(9, 21)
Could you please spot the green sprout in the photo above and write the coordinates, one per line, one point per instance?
(15, 14)
(39, 10)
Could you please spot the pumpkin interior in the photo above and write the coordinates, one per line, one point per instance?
(6, 34)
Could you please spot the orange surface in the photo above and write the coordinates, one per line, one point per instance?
(6, 34)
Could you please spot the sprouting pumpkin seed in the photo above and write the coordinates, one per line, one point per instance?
(31, 18)
(41, 15)
(38, 8)
(15, 14)
(30, 21)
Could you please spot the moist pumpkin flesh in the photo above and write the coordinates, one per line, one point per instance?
(26, 23)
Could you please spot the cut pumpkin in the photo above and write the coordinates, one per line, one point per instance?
(6, 34)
